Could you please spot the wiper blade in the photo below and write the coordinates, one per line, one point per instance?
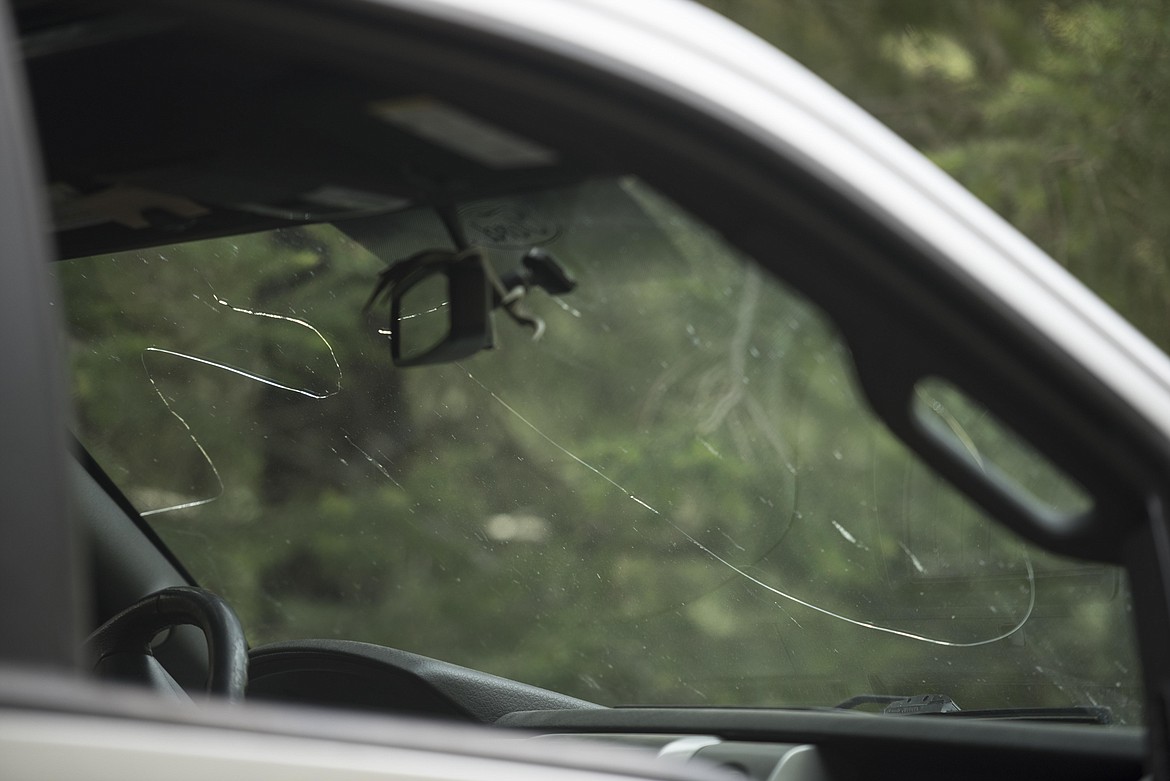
(940, 704)
(903, 704)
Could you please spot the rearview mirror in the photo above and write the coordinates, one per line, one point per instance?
(441, 301)
(440, 309)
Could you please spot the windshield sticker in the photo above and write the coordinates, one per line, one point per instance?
(507, 226)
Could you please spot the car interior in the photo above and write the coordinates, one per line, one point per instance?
(202, 124)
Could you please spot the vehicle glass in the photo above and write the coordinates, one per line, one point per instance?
(997, 450)
(676, 495)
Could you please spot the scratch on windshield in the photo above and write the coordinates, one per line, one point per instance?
(376, 463)
(565, 306)
(848, 536)
(1031, 575)
(441, 305)
(162, 353)
(737, 352)
(913, 559)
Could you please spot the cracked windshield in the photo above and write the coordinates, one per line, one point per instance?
(661, 485)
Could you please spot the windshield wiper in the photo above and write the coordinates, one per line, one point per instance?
(940, 704)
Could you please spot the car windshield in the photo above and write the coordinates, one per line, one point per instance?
(675, 495)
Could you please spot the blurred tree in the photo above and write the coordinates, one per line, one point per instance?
(1056, 113)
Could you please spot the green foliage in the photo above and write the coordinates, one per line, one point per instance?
(1054, 113)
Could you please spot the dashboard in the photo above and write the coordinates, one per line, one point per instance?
(762, 744)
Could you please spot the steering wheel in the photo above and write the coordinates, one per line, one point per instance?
(123, 642)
